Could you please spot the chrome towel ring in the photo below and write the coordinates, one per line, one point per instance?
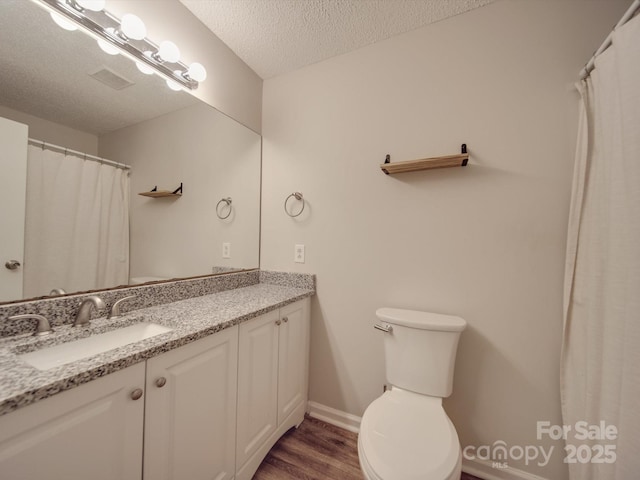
(227, 202)
(298, 196)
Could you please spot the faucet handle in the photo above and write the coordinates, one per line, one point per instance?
(84, 311)
(43, 327)
(115, 312)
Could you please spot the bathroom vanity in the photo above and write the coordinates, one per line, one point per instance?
(207, 399)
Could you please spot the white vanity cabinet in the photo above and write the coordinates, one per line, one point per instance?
(272, 381)
(257, 385)
(190, 410)
(293, 359)
(93, 432)
(210, 410)
(186, 412)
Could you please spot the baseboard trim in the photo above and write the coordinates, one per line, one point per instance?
(485, 469)
(334, 417)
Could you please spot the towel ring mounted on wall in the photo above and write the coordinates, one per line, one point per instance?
(298, 196)
(227, 202)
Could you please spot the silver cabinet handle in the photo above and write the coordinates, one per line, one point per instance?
(278, 322)
(136, 394)
(384, 328)
(12, 264)
(161, 382)
(285, 319)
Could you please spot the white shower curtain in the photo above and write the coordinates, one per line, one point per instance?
(77, 224)
(601, 345)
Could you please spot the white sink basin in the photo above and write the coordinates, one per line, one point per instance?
(64, 353)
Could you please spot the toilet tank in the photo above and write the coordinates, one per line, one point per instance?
(420, 350)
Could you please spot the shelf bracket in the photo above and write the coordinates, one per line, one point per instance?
(179, 189)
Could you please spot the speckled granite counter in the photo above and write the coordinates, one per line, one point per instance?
(190, 319)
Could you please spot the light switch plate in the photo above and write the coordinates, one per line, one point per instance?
(226, 250)
(298, 254)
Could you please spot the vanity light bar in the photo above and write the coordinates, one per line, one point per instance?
(103, 25)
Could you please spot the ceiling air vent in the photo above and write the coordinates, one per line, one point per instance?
(110, 78)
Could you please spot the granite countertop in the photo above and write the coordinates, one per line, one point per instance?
(190, 319)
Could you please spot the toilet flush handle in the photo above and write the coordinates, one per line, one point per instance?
(385, 328)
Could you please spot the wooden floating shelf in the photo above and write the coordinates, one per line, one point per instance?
(459, 160)
(155, 193)
(160, 193)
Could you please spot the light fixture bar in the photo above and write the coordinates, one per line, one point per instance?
(96, 25)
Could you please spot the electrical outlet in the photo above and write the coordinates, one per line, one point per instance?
(226, 250)
(298, 254)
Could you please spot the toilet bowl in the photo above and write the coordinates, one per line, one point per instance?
(405, 434)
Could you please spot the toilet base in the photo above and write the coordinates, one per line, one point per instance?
(368, 474)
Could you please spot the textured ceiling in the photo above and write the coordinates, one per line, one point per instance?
(45, 72)
(278, 36)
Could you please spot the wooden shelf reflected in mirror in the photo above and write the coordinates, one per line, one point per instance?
(155, 193)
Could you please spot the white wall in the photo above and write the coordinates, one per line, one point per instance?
(485, 242)
(214, 157)
(55, 133)
(231, 86)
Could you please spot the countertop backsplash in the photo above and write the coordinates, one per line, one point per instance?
(62, 310)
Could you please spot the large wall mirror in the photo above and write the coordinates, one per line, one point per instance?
(60, 221)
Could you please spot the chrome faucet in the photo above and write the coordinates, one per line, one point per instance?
(84, 312)
(43, 328)
(115, 312)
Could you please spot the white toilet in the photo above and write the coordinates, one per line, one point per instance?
(405, 434)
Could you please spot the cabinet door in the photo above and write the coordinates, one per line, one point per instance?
(190, 416)
(93, 431)
(293, 364)
(257, 384)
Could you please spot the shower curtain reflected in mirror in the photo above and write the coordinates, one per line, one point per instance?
(601, 344)
(77, 224)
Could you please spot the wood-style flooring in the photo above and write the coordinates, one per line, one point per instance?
(315, 451)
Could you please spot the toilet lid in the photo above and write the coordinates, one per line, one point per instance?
(407, 436)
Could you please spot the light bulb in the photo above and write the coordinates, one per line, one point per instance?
(106, 47)
(197, 72)
(169, 52)
(93, 5)
(144, 68)
(175, 86)
(63, 22)
(133, 27)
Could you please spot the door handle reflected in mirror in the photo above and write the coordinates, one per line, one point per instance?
(12, 264)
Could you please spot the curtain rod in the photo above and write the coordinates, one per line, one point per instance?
(628, 15)
(75, 153)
